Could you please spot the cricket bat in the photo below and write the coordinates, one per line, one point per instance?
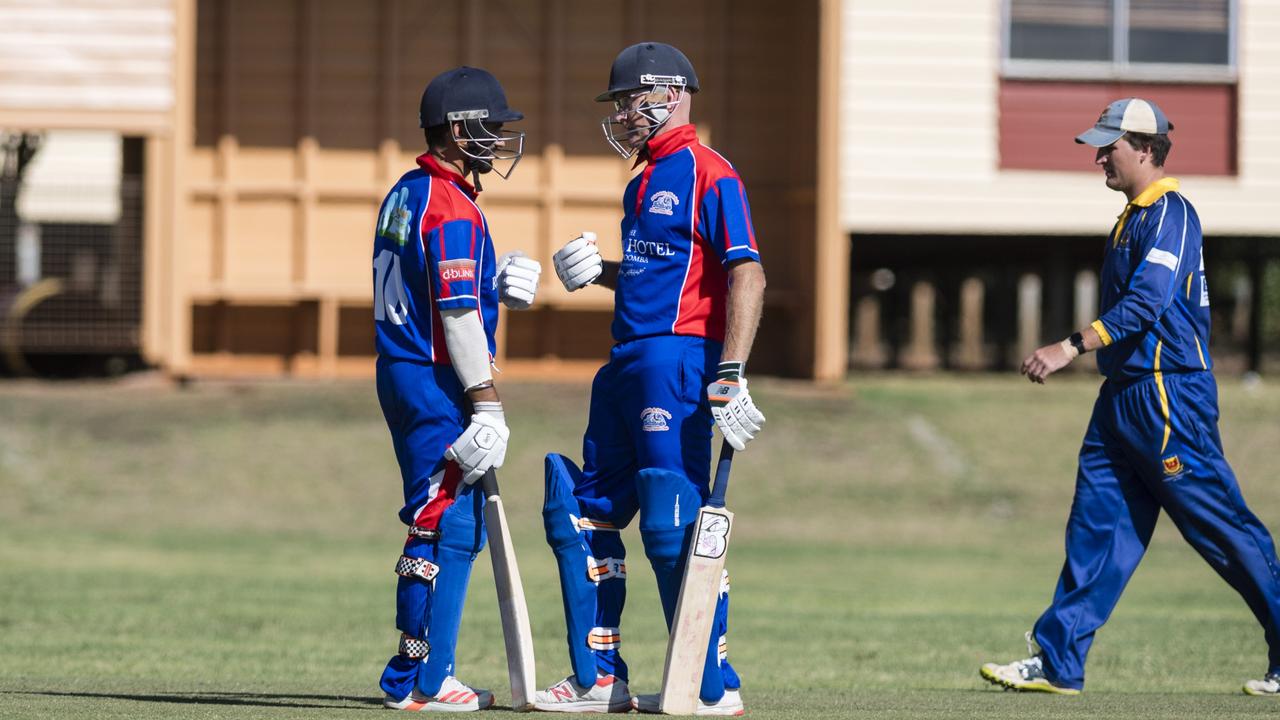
(699, 591)
(516, 632)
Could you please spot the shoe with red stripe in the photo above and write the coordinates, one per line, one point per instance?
(730, 704)
(452, 696)
(608, 695)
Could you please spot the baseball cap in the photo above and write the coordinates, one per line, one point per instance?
(1122, 116)
(464, 89)
(649, 63)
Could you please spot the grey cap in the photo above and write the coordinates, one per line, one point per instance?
(1122, 116)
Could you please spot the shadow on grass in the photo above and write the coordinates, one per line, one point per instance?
(221, 698)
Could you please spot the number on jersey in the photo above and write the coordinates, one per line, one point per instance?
(389, 300)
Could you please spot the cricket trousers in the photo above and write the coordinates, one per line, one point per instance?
(1153, 444)
(425, 409)
(648, 442)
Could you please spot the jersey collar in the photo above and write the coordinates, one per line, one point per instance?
(669, 143)
(1155, 191)
(434, 167)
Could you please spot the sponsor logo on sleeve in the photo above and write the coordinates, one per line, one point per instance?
(452, 271)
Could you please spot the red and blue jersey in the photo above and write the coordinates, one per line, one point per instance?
(1155, 302)
(686, 220)
(431, 252)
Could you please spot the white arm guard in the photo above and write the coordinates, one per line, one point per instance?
(468, 346)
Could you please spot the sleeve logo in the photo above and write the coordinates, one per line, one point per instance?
(662, 202)
(394, 223)
(452, 271)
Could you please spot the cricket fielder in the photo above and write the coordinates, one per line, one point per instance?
(436, 288)
(687, 300)
(1153, 441)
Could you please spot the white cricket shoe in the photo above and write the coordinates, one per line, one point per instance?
(608, 695)
(730, 704)
(1024, 675)
(1269, 685)
(452, 696)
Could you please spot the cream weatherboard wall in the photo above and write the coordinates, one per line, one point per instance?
(919, 131)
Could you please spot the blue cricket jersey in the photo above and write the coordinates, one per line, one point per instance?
(1155, 303)
(686, 218)
(431, 252)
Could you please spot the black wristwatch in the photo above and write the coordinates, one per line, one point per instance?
(1077, 341)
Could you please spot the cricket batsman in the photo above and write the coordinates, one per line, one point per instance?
(436, 288)
(688, 294)
(1153, 440)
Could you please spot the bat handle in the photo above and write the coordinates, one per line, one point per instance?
(722, 476)
(489, 484)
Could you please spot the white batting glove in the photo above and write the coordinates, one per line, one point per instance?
(579, 263)
(517, 279)
(731, 407)
(483, 445)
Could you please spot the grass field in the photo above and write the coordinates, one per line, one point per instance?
(225, 551)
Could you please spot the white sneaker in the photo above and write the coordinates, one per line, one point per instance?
(1269, 685)
(1024, 675)
(730, 704)
(453, 696)
(608, 695)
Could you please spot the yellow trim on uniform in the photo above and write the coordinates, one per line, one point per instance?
(1155, 191)
(1189, 285)
(1164, 398)
(1124, 217)
(1101, 329)
(1203, 364)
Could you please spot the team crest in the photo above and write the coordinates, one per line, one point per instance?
(654, 419)
(663, 202)
(1172, 466)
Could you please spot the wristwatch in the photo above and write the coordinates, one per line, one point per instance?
(1077, 341)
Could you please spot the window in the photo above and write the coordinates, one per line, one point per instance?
(1181, 40)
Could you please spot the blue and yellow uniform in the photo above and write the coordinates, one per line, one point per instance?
(1153, 440)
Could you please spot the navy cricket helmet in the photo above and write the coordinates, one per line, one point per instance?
(474, 98)
(464, 90)
(647, 64)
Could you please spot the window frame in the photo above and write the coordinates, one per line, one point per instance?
(1118, 70)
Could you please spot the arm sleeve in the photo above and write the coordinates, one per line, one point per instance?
(726, 221)
(1153, 284)
(468, 347)
(453, 252)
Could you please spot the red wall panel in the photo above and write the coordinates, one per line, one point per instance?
(1040, 119)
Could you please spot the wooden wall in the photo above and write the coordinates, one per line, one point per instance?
(306, 112)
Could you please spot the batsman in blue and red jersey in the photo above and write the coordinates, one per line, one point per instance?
(436, 287)
(1152, 443)
(688, 294)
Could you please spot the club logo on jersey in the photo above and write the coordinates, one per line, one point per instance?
(662, 202)
(463, 270)
(713, 535)
(1172, 466)
(654, 419)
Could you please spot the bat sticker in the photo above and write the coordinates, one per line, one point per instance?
(713, 534)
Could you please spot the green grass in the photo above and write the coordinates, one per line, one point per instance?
(225, 551)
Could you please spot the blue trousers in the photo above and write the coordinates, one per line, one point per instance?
(648, 411)
(1153, 444)
(424, 406)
